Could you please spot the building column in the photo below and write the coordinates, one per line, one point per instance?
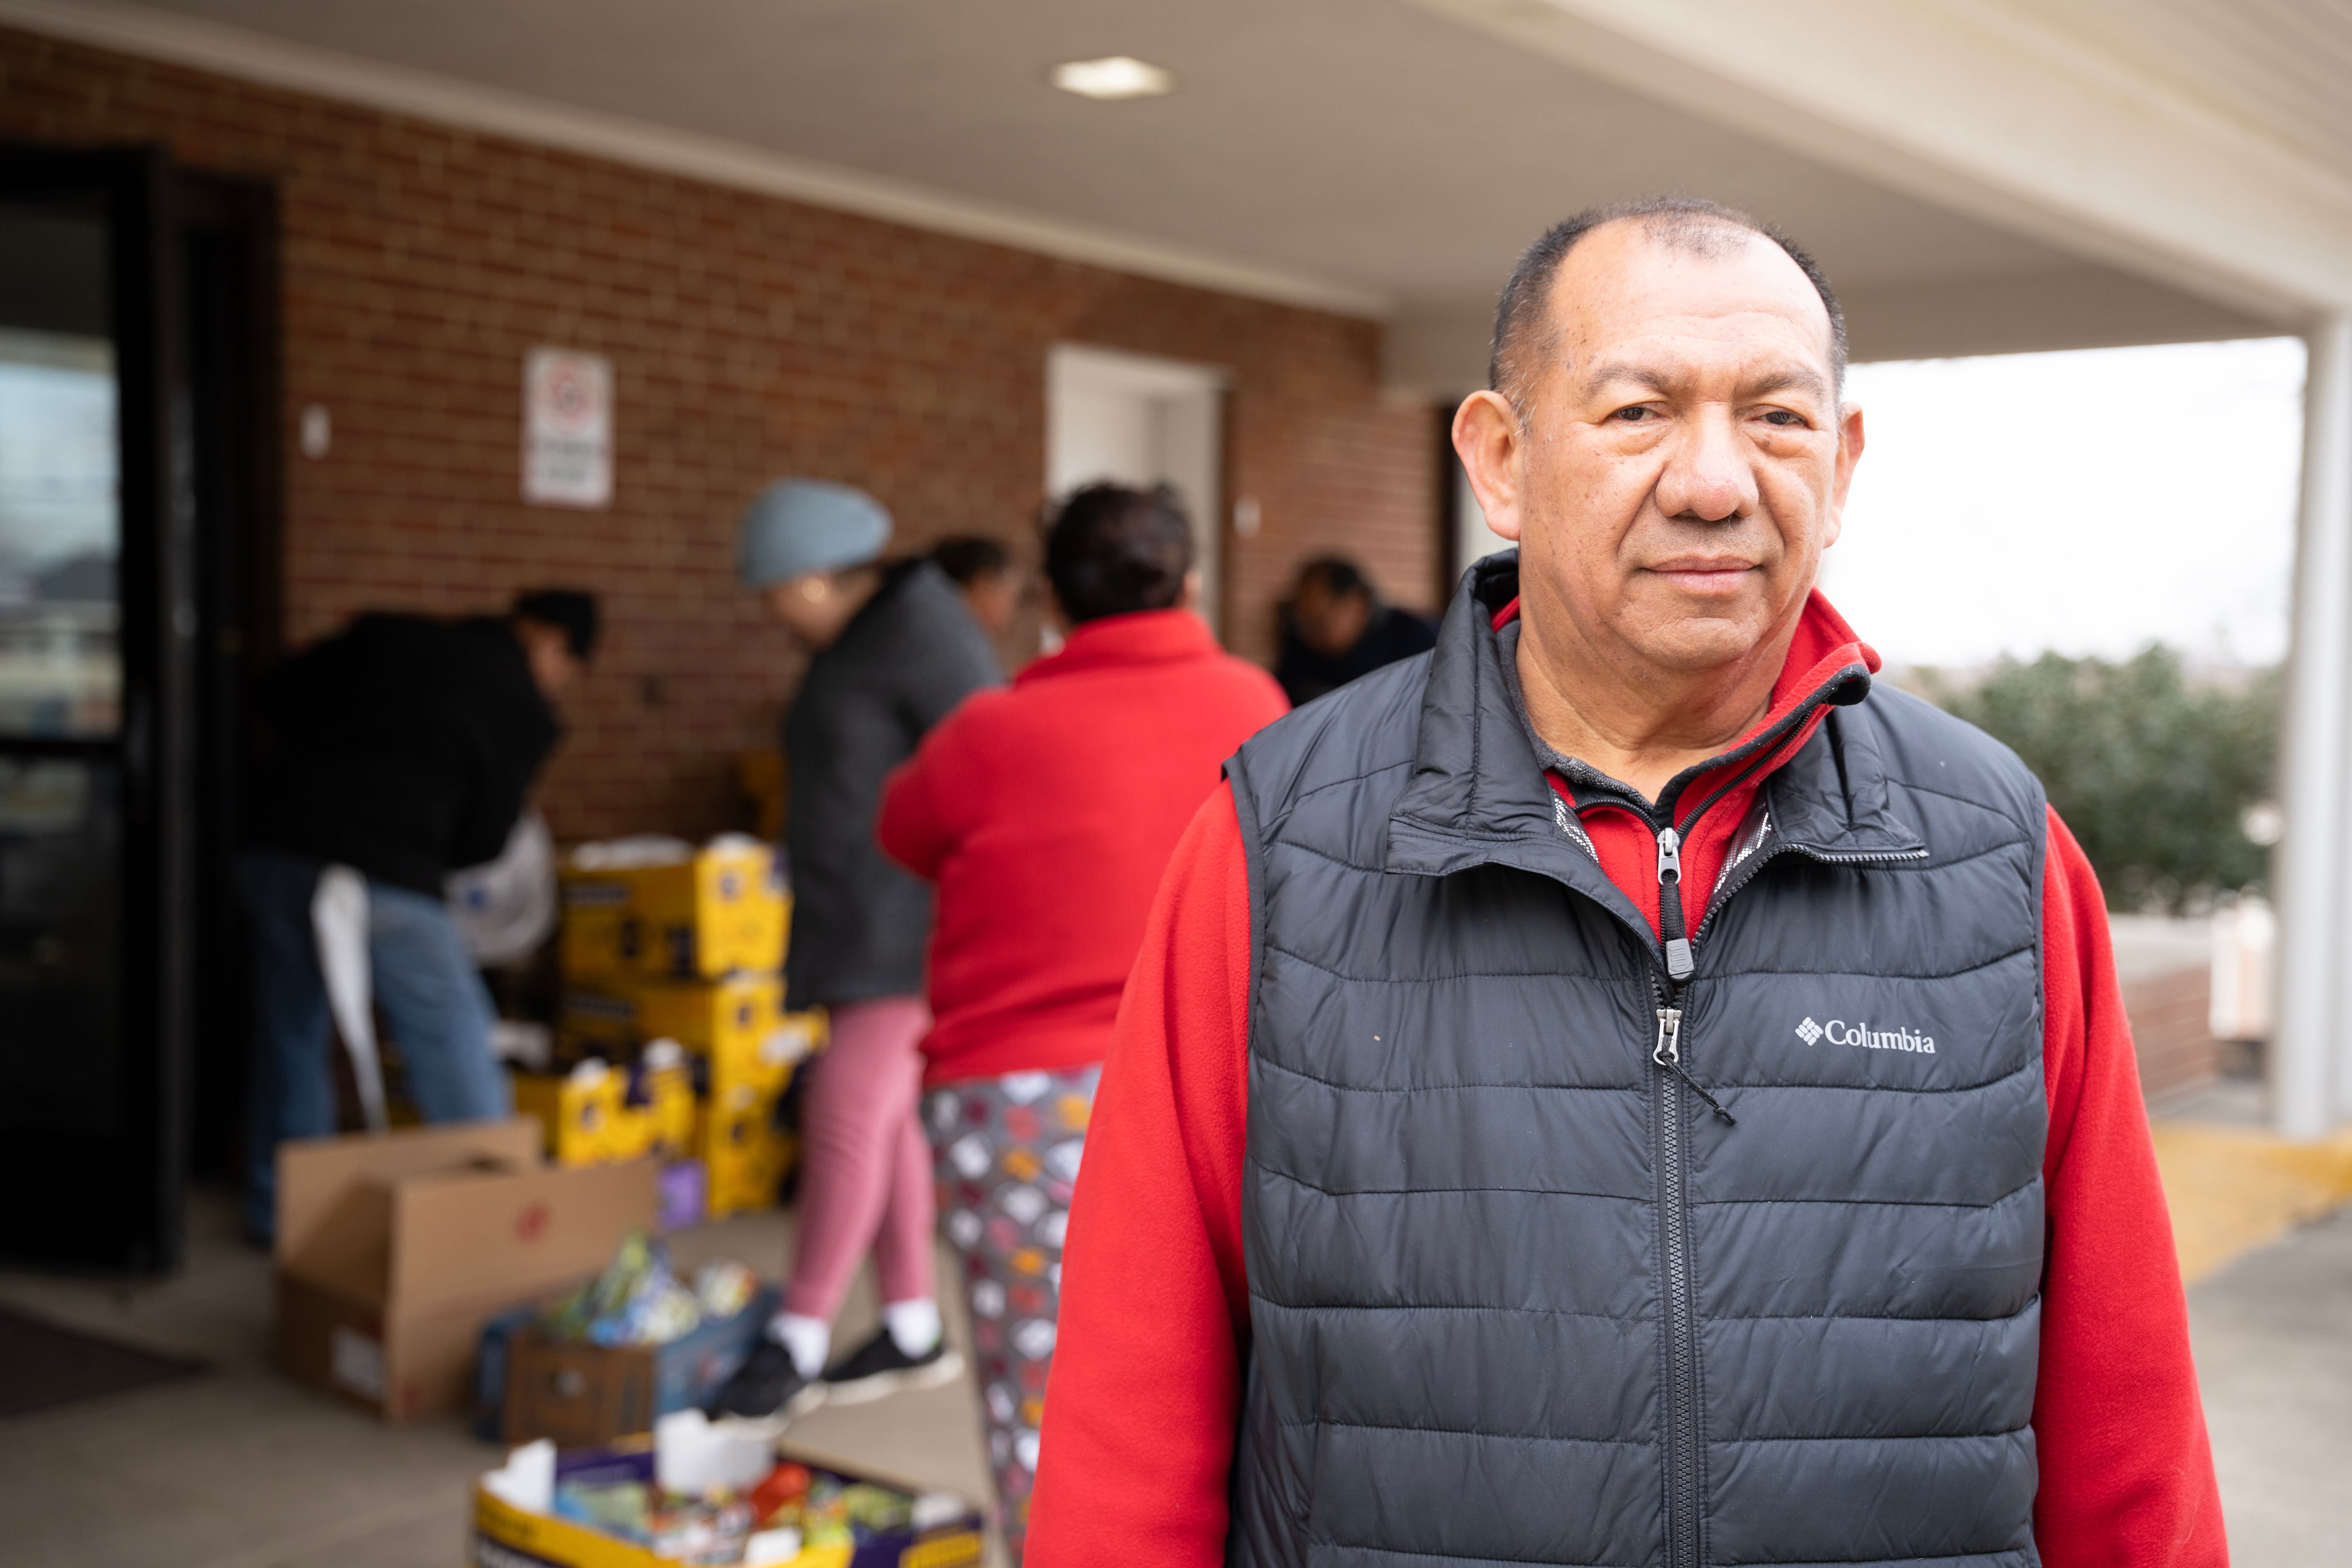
(2311, 1046)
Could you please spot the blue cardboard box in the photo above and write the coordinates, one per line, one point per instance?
(530, 1386)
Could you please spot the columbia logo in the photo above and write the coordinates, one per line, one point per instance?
(1862, 1036)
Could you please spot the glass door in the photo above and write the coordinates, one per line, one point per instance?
(93, 620)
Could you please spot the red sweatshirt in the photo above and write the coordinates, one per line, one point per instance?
(1146, 1388)
(1045, 811)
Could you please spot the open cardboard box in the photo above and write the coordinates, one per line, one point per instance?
(516, 1524)
(393, 1250)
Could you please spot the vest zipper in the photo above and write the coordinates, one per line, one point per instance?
(1682, 1455)
(1769, 850)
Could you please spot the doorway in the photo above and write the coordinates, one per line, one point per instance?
(131, 379)
(1136, 419)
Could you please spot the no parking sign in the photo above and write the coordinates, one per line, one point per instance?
(567, 428)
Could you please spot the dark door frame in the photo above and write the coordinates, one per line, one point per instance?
(115, 1199)
(228, 248)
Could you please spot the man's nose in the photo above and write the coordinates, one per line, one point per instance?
(1707, 476)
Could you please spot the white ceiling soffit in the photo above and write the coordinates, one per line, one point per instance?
(329, 73)
(2135, 147)
(1375, 157)
(1389, 153)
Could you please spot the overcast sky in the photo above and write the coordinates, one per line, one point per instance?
(2089, 502)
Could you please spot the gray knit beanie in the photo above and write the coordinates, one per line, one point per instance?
(800, 526)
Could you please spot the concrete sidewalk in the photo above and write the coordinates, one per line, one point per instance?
(2274, 1338)
(240, 1468)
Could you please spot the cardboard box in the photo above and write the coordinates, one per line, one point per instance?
(716, 909)
(507, 1536)
(577, 1393)
(737, 1024)
(597, 1114)
(577, 1110)
(393, 1250)
(743, 1152)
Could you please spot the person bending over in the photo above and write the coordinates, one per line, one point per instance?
(403, 748)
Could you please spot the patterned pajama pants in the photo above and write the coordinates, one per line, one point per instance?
(1006, 1151)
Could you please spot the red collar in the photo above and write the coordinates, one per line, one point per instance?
(1824, 646)
(1145, 637)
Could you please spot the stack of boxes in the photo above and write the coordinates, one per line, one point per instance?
(665, 943)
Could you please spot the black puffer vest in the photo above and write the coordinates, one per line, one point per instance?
(1518, 1293)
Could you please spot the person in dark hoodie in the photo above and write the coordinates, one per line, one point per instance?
(892, 649)
(1336, 630)
(401, 747)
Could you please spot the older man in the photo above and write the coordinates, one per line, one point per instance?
(1624, 1089)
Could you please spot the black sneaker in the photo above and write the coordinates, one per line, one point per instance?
(766, 1388)
(879, 1367)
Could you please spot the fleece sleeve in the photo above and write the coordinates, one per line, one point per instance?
(2127, 1472)
(1140, 1412)
(913, 825)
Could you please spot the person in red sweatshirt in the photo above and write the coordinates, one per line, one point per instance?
(1408, 1234)
(1046, 812)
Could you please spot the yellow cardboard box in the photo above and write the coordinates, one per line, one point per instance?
(699, 913)
(597, 1114)
(737, 1025)
(582, 1111)
(744, 1151)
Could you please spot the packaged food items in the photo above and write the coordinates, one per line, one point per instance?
(725, 1287)
(698, 1493)
(639, 1299)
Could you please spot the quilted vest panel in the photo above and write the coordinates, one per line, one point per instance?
(1517, 1295)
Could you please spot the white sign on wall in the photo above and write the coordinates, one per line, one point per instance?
(567, 429)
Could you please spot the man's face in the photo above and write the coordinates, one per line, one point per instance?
(1683, 461)
(554, 668)
(1330, 622)
(995, 599)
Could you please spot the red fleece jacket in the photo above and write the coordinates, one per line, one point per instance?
(1045, 811)
(1141, 1408)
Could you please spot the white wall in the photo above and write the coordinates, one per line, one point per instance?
(1138, 420)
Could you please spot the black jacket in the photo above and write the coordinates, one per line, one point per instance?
(1392, 634)
(402, 746)
(860, 924)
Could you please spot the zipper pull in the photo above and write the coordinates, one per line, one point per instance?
(1668, 1053)
(1679, 962)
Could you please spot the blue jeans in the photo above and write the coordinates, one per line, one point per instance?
(427, 991)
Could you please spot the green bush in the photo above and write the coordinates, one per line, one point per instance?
(2153, 773)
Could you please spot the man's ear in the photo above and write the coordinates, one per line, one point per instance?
(1849, 445)
(1487, 439)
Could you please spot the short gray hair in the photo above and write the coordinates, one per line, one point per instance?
(1685, 223)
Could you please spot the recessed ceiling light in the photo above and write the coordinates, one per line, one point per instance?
(1115, 76)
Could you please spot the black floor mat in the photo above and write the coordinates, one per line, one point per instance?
(43, 1366)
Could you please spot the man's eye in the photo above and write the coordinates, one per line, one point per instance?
(1781, 416)
(1633, 415)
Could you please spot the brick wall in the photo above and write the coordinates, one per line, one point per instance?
(751, 337)
(2172, 1028)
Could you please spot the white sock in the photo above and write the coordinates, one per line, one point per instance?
(808, 1341)
(914, 1326)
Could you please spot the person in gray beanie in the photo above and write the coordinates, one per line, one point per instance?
(892, 649)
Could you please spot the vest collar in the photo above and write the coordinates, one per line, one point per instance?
(1479, 795)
